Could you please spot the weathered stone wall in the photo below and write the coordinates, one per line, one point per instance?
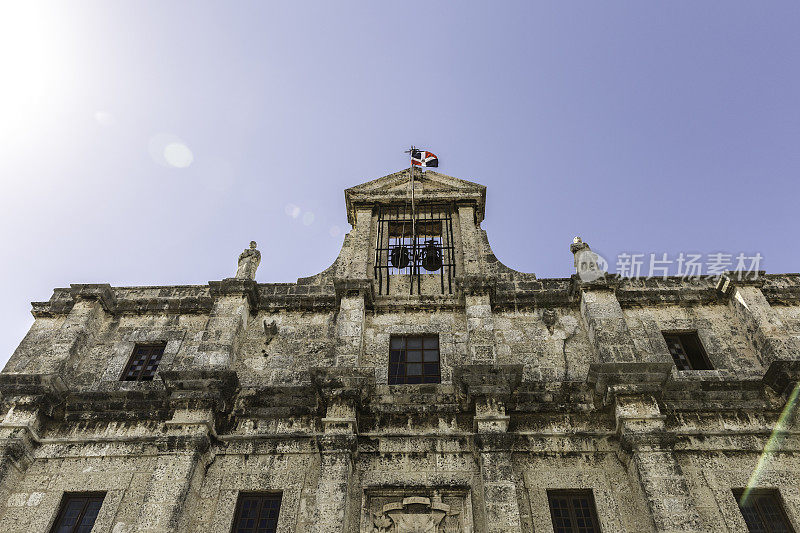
(283, 387)
(723, 337)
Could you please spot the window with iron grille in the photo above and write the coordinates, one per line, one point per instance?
(687, 351)
(414, 360)
(415, 244)
(257, 513)
(573, 511)
(762, 511)
(78, 512)
(143, 362)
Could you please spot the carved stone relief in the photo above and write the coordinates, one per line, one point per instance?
(417, 513)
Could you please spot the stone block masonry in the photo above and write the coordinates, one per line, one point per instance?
(280, 393)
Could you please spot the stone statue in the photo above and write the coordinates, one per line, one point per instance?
(248, 263)
(588, 265)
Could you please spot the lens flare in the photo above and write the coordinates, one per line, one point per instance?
(773, 444)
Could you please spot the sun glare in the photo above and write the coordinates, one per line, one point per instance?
(31, 59)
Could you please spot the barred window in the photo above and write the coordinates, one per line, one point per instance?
(143, 362)
(415, 244)
(573, 511)
(762, 511)
(414, 359)
(257, 513)
(78, 512)
(687, 351)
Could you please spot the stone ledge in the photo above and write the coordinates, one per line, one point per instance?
(487, 380)
(235, 287)
(610, 379)
(43, 391)
(201, 388)
(101, 292)
(782, 376)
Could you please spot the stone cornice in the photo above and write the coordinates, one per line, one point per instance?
(310, 294)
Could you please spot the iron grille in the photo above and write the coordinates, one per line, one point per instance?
(415, 248)
(143, 362)
(687, 351)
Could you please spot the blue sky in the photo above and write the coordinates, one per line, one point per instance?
(647, 127)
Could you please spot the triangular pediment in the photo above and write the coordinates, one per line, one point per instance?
(428, 186)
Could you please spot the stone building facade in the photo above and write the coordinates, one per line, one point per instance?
(619, 404)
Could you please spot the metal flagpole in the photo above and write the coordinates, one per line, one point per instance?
(413, 220)
(413, 211)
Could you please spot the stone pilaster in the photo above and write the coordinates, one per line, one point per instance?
(341, 392)
(478, 288)
(234, 300)
(167, 490)
(336, 470)
(91, 305)
(354, 290)
(605, 321)
(353, 298)
(18, 436)
(480, 328)
(632, 389)
(28, 400)
(469, 239)
(197, 398)
(640, 426)
(361, 244)
(489, 388)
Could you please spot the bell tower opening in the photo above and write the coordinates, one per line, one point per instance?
(414, 247)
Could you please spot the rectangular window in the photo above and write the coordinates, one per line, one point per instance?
(687, 351)
(414, 360)
(78, 512)
(257, 513)
(143, 362)
(573, 511)
(763, 512)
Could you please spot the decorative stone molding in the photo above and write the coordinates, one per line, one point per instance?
(476, 284)
(201, 389)
(236, 287)
(39, 391)
(729, 279)
(783, 375)
(487, 381)
(490, 416)
(612, 379)
(349, 287)
(101, 292)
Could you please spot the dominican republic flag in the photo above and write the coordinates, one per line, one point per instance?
(421, 158)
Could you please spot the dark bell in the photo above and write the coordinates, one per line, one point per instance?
(400, 257)
(431, 256)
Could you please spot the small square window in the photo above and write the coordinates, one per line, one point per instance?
(573, 511)
(414, 359)
(762, 511)
(78, 512)
(144, 362)
(257, 513)
(687, 351)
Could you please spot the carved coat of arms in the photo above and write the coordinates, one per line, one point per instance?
(417, 514)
